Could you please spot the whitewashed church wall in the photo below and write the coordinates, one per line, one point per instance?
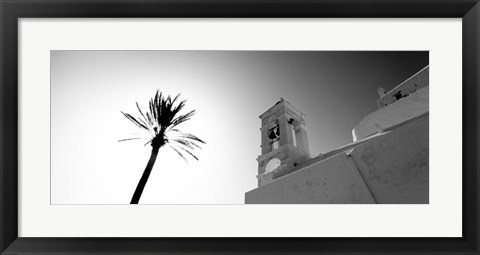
(333, 181)
(409, 86)
(395, 166)
(407, 108)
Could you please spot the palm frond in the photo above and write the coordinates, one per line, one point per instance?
(182, 118)
(187, 151)
(175, 98)
(187, 136)
(179, 153)
(152, 107)
(185, 143)
(128, 139)
(178, 108)
(192, 137)
(134, 120)
(150, 119)
(144, 121)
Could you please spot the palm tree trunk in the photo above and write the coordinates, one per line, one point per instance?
(145, 175)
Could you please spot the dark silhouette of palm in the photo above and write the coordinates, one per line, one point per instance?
(160, 122)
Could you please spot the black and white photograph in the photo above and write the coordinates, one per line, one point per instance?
(239, 127)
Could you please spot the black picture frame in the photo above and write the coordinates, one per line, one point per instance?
(12, 10)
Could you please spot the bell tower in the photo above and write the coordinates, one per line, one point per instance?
(284, 141)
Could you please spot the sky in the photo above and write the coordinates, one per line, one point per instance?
(228, 89)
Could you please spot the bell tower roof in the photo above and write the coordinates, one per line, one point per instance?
(282, 103)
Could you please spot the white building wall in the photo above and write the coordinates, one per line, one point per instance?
(409, 86)
(333, 181)
(407, 108)
(395, 166)
(391, 167)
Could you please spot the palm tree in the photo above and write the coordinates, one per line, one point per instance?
(160, 123)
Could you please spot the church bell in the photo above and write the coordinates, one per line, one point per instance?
(272, 135)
